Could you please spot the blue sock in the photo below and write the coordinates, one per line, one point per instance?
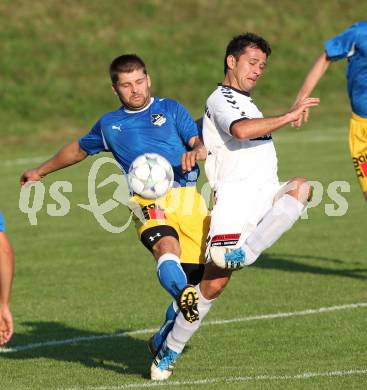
(171, 275)
(161, 335)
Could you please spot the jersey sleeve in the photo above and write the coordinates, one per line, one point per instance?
(185, 124)
(226, 113)
(2, 222)
(341, 46)
(94, 142)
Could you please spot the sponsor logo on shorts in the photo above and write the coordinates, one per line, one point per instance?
(153, 211)
(360, 165)
(364, 168)
(155, 237)
(225, 239)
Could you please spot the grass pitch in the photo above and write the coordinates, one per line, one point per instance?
(83, 287)
(84, 300)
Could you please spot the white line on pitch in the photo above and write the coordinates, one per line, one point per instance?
(23, 161)
(215, 322)
(299, 137)
(305, 375)
(290, 314)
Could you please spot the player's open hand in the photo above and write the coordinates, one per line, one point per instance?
(6, 325)
(303, 118)
(29, 176)
(190, 158)
(300, 110)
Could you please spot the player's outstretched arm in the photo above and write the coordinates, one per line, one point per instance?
(255, 128)
(6, 278)
(310, 82)
(68, 155)
(197, 153)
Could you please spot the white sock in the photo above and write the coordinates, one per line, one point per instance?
(183, 330)
(280, 218)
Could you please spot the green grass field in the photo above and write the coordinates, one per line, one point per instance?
(84, 300)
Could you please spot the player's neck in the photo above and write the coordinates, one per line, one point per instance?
(231, 81)
(233, 85)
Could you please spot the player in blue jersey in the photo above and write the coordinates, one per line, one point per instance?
(146, 124)
(6, 278)
(352, 45)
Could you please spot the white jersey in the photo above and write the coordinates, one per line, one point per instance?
(230, 159)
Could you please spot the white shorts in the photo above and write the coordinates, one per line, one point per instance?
(238, 208)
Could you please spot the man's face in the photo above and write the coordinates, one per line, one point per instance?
(133, 89)
(247, 68)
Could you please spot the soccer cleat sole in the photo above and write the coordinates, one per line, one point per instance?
(188, 303)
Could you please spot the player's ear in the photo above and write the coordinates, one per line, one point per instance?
(149, 82)
(231, 61)
(114, 89)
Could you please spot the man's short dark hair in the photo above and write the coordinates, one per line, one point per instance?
(125, 64)
(238, 45)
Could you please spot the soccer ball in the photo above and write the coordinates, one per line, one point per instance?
(150, 176)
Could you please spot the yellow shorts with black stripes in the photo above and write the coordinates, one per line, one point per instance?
(181, 213)
(358, 148)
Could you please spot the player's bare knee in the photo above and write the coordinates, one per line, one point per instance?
(300, 189)
(166, 244)
(365, 196)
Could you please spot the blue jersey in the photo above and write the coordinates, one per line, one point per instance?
(2, 223)
(352, 44)
(164, 127)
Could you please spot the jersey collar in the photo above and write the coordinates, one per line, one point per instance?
(235, 89)
(143, 109)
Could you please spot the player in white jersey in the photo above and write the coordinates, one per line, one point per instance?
(251, 209)
(242, 172)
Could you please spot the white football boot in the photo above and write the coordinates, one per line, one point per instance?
(163, 364)
(227, 258)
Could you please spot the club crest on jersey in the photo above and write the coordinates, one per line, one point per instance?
(158, 119)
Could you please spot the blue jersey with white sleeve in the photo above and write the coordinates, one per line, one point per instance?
(164, 127)
(2, 222)
(352, 44)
